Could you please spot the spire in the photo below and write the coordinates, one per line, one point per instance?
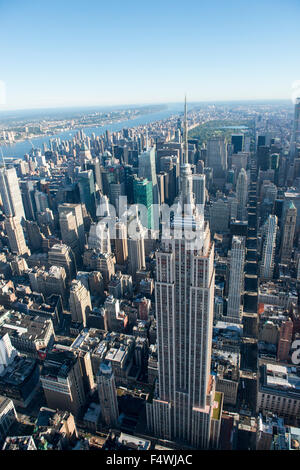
(185, 170)
(186, 151)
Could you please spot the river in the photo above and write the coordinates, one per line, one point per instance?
(19, 149)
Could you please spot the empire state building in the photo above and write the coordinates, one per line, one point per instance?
(185, 407)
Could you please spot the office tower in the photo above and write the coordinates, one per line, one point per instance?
(217, 156)
(237, 142)
(34, 235)
(136, 250)
(161, 185)
(62, 381)
(288, 234)
(219, 216)
(80, 302)
(199, 188)
(76, 211)
(113, 317)
(99, 238)
(62, 255)
(7, 352)
(116, 190)
(107, 395)
(182, 409)
(27, 193)
(171, 183)
(263, 157)
(68, 230)
(274, 161)
(142, 194)
(236, 277)
(85, 363)
(285, 340)
(147, 169)
(269, 246)
(241, 194)
(94, 165)
(261, 140)
(121, 246)
(46, 218)
(16, 237)
(102, 207)
(87, 191)
(41, 201)
(240, 160)
(11, 194)
(119, 284)
(295, 141)
(84, 153)
(114, 184)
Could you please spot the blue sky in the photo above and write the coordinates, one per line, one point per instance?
(96, 52)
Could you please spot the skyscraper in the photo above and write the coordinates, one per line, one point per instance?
(295, 141)
(76, 211)
(11, 194)
(68, 230)
(121, 245)
(80, 302)
(142, 194)
(147, 169)
(62, 255)
(99, 237)
(107, 394)
(237, 142)
(236, 277)
(217, 156)
(27, 193)
(287, 240)
(184, 406)
(62, 381)
(267, 262)
(87, 191)
(136, 250)
(199, 188)
(241, 194)
(16, 237)
(34, 236)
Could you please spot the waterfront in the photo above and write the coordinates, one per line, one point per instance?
(19, 149)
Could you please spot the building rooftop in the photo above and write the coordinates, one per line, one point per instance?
(134, 442)
(19, 443)
(280, 379)
(58, 363)
(217, 405)
(17, 372)
(31, 328)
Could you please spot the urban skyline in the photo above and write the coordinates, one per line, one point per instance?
(150, 254)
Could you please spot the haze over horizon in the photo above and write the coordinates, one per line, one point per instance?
(74, 55)
(117, 107)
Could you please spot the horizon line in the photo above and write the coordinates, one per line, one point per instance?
(130, 105)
